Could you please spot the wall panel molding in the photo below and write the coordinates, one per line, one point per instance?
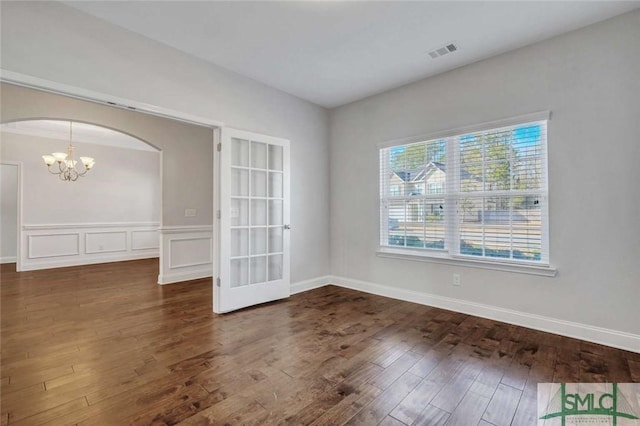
(105, 242)
(59, 245)
(186, 253)
(53, 245)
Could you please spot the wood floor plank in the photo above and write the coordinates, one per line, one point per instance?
(410, 407)
(452, 393)
(469, 411)
(395, 370)
(502, 406)
(634, 367)
(380, 407)
(527, 406)
(104, 344)
(390, 421)
(432, 416)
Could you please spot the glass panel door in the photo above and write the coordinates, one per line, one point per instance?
(254, 258)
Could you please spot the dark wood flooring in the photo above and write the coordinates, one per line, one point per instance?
(105, 345)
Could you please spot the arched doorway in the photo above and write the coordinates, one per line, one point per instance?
(109, 212)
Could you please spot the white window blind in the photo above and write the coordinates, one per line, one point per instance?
(479, 194)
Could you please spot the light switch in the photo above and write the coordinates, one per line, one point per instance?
(189, 212)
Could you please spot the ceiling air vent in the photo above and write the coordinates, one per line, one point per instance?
(444, 50)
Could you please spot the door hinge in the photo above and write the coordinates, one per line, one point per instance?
(218, 282)
(219, 146)
(219, 214)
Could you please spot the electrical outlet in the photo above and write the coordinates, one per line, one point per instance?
(456, 280)
(189, 212)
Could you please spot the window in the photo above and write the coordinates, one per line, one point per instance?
(477, 194)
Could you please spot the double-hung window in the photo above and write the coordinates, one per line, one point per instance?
(479, 194)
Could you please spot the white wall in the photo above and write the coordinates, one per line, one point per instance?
(124, 186)
(589, 80)
(52, 41)
(8, 212)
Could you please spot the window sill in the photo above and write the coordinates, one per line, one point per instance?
(445, 259)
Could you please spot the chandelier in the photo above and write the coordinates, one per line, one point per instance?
(67, 170)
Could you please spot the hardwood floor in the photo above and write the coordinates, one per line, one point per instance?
(105, 345)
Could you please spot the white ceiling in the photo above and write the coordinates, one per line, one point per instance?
(82, 133)
(335, 52)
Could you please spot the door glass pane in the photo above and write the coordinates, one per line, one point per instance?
(258, 212)
(275, 267)
(239, 213)
(275, 157)
(239, 152)
(275, 185)
(275, 212)
(239, 182)
(258, 183)
(259, 241)
(239, 242)
(239, 272)
(275, 240)
(258, 269)
(258, 155)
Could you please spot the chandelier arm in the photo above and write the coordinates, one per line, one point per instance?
(53, 173)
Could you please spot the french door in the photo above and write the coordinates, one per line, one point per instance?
(254, 220)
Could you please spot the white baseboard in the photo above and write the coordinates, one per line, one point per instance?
(603, 336)
(307, 285)
(174, 278)
(8, 259)
(64, 263)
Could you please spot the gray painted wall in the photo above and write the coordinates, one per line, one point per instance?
(52, 41)
(589, 80)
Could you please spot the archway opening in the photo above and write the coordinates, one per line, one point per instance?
(111, 213)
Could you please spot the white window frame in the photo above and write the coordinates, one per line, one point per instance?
(450, 254)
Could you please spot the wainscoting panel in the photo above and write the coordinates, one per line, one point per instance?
(105, 242)
(187, 253)
(60, 245)
(53, 245)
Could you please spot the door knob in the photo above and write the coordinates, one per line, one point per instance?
(287, 226)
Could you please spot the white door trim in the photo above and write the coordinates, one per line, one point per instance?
(18, 165)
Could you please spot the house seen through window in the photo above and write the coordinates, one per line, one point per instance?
(479, 195)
